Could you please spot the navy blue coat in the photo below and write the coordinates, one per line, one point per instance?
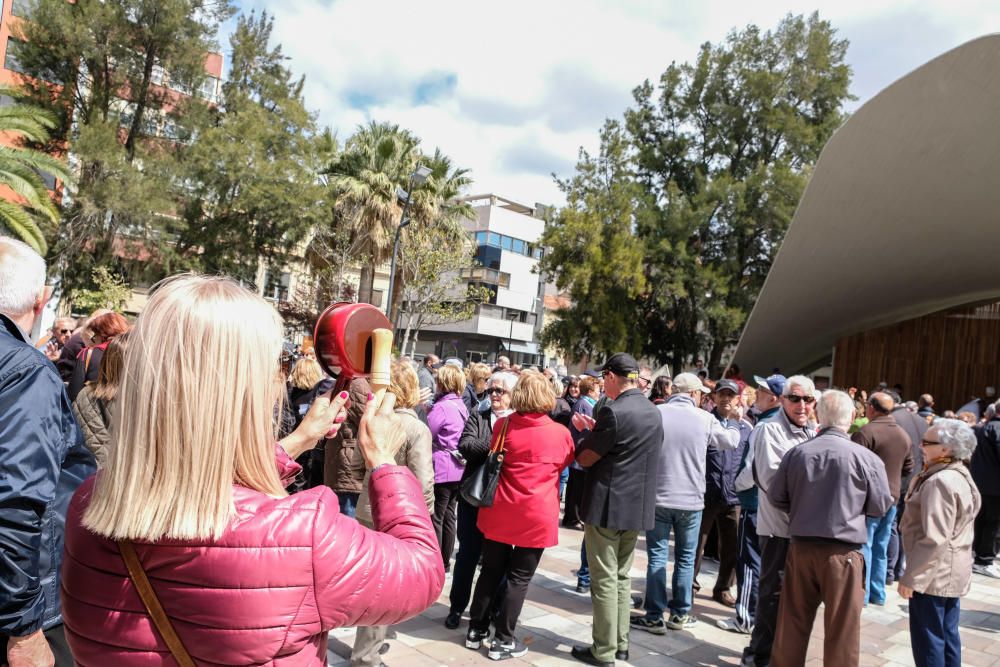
(985, 465)
(721, 466)
(42, 461)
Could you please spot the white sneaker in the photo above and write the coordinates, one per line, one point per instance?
(733, 625)
(990, 570)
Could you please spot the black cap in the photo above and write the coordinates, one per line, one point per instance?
(727, 384)
(592, 373)
(623, 365)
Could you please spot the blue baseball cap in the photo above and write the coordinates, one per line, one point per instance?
(773, 383)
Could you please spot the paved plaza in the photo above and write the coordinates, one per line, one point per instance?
(555, 617)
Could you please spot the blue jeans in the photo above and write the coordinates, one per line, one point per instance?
(348, 503)
(563, 478)
(583, 574)
(686, 525)
(934, 631)
(876, 556)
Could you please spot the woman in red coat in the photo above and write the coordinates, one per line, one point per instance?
(524, 518)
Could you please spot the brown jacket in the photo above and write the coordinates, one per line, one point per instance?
(343, 465)
(890, 443)
(936, 529)
(415, 454)
(92, 419)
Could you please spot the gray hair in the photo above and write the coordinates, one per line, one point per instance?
(957, 436)
(506, 378)
(557, 386)
(835, 409)
(802, 382)
(22, 277)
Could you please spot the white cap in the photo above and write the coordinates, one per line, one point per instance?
(688, 382)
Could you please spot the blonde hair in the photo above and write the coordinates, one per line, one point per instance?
(110, 374)
(451, 380)
(182, 443)
(532, 393)
(306, 373)
(478, 374)
(404, 384)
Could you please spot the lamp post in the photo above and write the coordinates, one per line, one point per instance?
(510, 336)
(418, 177)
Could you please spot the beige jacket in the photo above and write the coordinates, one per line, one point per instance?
(92, 422)
(936, 529)
(415, 454)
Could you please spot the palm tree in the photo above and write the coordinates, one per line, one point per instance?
(26, 199)
(376, 161)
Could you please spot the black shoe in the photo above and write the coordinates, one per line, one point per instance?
(452, 621)
(637, 602)
(580, 588)
(583, 654)
(500, 650)
(621, 655)
(475, 638)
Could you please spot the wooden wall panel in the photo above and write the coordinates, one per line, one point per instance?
(953, 355)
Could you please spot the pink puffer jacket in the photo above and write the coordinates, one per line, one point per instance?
(266, 593)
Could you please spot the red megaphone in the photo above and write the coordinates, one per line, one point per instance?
(354, 340)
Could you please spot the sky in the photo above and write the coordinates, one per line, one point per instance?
(512, 90)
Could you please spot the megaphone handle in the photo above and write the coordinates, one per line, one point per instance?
(381, 361)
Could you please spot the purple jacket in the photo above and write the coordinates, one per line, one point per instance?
(446, 420)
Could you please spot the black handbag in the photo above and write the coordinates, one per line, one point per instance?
(480, 487)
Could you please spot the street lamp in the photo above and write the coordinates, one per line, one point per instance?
(510, 337)
(418, 177)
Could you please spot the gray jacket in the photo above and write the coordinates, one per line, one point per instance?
(93, 417)
(688, 433)
(771, 442)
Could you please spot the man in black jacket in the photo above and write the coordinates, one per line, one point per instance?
(985, 468)
(621, 455)
(42, 461)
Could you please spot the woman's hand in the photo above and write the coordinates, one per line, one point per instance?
(582, 422)
(381, 433)
(323, 420)
(905, 591)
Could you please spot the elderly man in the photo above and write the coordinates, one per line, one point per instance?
(985, 468)
(621, 454)
(689, 433)
(786, 429)
(645, 379)
(52, 343)
(925, 406)
(426, 374)
(828, 487)
(503, 363)
(42, 461)
(887, 439)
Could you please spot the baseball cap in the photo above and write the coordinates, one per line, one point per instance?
(727, 384)
(453, 361)
(773, 383)
(622, 364)
(688, 382)
(591, 373)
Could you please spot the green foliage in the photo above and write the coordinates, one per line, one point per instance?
(720, 150)
(109, 291)
(32, 214)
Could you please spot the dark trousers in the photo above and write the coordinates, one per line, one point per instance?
(747, 568)
(986, 530)
(574, 497)
(446, 496)
(773, 551)
(57, 643)
(726, 519)
(894, 552)
(833, 574)
(470, 547)
(518, 564)
(934, 631)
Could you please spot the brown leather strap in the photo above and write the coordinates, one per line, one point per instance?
(152, 604)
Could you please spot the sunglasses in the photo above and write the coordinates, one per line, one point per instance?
(799, 399)
(645, 379)
(496, 390)
(65, 331)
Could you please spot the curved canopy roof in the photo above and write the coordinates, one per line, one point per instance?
(901, 217)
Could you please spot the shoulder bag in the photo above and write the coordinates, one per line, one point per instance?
(153, 606)
(481, 486)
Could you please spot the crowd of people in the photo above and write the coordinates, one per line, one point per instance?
(171, 488)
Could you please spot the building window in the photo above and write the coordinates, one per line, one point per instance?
(486, 275)
(481, 238)
(10, 59)
(209, 88)
(276, 284)
(48, 179)
(493, 239)
(20, 8)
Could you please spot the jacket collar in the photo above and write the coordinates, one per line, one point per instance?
(634, 391)
(528, 418)
(791, 426)
(883, 419)
(680, 399)
(829, 430)
(13, 329)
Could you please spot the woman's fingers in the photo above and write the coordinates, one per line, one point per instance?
(388, 403)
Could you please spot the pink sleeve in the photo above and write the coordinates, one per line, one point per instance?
(287, 467)
(383, 576)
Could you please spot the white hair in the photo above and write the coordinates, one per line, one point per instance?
(835, 409)
(506, 378)
(957, 436)
(22, 277)
(802, 382)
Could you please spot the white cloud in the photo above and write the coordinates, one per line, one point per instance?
(543, 75)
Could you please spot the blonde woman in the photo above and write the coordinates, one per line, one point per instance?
(446, 420)
(415, 454)
(93, 406)
(194, 483)
(474, 395)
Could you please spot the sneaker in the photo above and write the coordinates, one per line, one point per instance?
(475, 638)
(502, 650)
(453, 620)
(990, 570)
(684, 622)
(582, 588)
(649, 625)
(733, 625)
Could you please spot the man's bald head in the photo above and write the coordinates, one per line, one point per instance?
(880, 403)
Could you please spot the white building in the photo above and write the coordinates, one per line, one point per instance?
(508, 236)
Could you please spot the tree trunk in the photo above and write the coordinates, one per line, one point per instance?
(366, 284)
(406, 337)
(413, 345)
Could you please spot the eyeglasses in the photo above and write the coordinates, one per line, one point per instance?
(925, 443)
(65, 331)
(496, 390)
(645, 379)
(799, 399)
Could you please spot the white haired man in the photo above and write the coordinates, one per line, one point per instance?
(830, 488)
(789, 427)
(52, 344)
(42, 461)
